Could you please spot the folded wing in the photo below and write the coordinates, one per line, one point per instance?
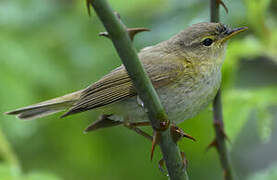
(117, 85)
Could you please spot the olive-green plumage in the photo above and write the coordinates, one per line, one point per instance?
(185, 70)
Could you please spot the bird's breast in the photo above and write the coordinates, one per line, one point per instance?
(187, 98)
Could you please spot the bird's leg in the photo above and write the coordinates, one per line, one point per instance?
(154, 139)
(134, 127)
(176, 133)
(144, 123)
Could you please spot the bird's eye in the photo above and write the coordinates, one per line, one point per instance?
(207, 42)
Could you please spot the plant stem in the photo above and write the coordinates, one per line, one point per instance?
(143, 85)
(220, 136)
(8, 155)
(214, 10)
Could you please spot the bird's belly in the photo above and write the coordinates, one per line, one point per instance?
(185, 102)
(181, 101)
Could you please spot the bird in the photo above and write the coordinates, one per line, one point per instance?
(185, 70)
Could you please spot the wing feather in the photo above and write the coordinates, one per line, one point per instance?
(117, 85)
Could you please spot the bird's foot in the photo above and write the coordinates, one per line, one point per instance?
(134, 127)
(155, 139)
(176, 133)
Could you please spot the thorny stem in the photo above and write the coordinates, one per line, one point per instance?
(143, 85)
(220, 137)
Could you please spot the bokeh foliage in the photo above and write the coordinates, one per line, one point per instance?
(49, 48)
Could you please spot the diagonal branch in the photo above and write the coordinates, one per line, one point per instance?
(144, 87)
(220, 136)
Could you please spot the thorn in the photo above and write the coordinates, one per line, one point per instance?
(131, 31)
(212, 144)
(156, 140)
(220, 2)
(105, 34)
(219, 125)
(185, 161)
(225, 173)
(134, 31)
(225, 136)
(161, 164)
(88, 3)
(177, 134)
(117, 15)
(189, 136)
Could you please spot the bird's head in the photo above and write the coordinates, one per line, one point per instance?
(203, 42)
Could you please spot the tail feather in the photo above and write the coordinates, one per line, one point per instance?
(46, 108)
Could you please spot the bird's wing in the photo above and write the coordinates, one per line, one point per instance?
(117, 85)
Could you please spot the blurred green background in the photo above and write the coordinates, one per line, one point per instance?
(50, 48)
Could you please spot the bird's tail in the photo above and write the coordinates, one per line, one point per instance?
(46, 108)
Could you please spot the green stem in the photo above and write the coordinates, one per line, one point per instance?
(218, 116)
(214, 10)
(8, 154)
(143, 85)
(220, 138)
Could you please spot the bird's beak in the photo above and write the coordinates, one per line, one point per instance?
(231, 32)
